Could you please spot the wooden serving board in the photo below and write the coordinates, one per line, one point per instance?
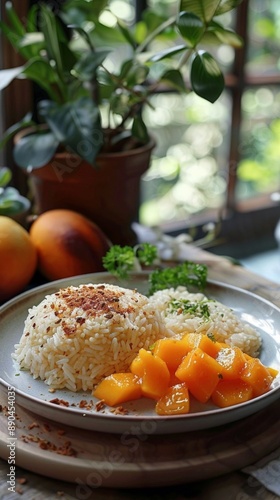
(129, 461)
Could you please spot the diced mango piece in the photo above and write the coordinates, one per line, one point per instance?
(232, 361)
(273, 372)
(205, 342)
(175, 401)
(156, 376)
(257, 375)
(137, 366)
(200, 372)
(118, 388)
(231, 392)
(171, 351)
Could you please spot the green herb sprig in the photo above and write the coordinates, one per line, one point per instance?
(188, 274)
(120, 261)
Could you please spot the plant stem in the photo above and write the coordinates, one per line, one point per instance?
(142, 46)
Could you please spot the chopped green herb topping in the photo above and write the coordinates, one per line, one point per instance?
(185, 306)
(211, 337)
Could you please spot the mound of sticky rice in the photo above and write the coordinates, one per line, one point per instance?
(78, 335)
(185, 312)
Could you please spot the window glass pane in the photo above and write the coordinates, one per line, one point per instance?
(188, 174)
(258, 170)
(263, 37)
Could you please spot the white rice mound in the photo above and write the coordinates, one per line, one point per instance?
(79, 335)
(222, 322)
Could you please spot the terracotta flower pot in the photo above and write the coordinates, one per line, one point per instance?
(108, 193)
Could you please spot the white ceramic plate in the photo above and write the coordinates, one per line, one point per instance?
(35, 395)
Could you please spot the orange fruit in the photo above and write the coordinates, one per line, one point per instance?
(68, 244)
(18, 258)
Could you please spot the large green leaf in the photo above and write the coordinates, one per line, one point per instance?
(207, 80)
(35, 150)
(204, 9)
(191, 28)
(76, 125)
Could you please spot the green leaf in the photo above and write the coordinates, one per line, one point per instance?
(5, 176)
(23, 42)
(84, 34)
(11, 131)
(75, 124)
(207, 80)
(8, 75)
(10, 207)
(137, 75)
(125, 68)
(204, 9)
(163, 54)
(14, 19)
(35, 150)
(127, 34)
(139, 130)
(191, 28)
(226, 36)
(85, 68)
(174, 77)
(49, 28)
(227, 5)
(91, 10)
(40, 71)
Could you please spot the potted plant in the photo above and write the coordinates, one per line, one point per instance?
(89, 133)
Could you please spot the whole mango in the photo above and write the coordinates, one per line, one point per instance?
(18, 258)
(68, 244)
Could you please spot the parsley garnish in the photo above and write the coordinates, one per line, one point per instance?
(120, 261)
(185, 274)
(211, 337)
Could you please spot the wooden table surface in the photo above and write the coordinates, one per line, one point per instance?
(235, 485)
